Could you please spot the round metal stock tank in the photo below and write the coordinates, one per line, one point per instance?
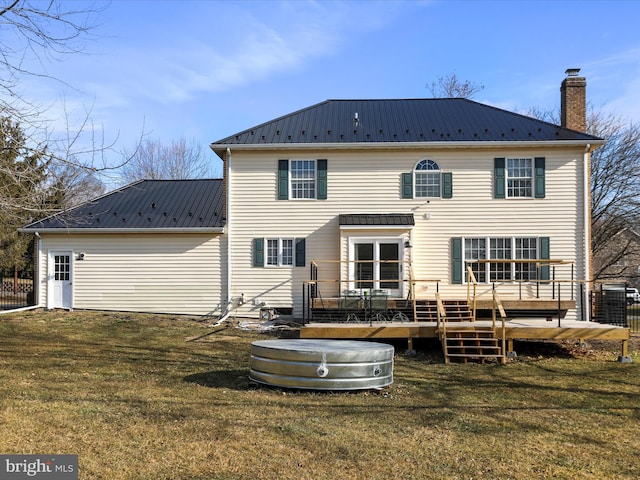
(321, 364)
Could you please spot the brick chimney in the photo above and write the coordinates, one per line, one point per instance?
(573, 101)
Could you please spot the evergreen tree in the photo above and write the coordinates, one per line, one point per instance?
(22, 196)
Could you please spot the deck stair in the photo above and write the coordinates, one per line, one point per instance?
(462, 338)
(471, 343)
(455, 311)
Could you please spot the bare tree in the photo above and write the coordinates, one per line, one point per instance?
(35, 33)
(41, 168)
(451, 87)
(180, 159)
(615, 194)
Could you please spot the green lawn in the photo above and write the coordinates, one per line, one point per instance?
(160, 397)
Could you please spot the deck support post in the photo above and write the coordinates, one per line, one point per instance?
(624, 357)
(625, 348)
(410, 344)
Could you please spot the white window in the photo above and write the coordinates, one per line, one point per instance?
(427, 178)
(303, 178)
(508, 249)
(279, 252)
(519, 177)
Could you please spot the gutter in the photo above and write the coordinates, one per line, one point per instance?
(403, 145)
(123, 230)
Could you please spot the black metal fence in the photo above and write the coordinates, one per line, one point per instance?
(612, 305)
(16, 292)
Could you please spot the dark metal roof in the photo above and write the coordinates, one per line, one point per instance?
(147, 204)
(377, 219)
(409, 120)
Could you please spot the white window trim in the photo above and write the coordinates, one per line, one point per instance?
(507, 178)
(280, 252)
(315, 179)
(376, 240)
(439, 171)
(499, 260)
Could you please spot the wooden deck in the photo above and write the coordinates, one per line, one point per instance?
(532, 329)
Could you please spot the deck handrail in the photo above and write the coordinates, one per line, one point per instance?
(441, 314)
(497, 306)
(471, 299)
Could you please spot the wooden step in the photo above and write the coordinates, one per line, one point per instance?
(471, 344)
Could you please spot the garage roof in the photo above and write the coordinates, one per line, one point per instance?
(147, 205)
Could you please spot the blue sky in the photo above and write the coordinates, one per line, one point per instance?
(204, 70)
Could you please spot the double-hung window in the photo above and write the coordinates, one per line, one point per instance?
(303, 178)
(519, 177)
(279, 252)
(427, 179)
(501, 259)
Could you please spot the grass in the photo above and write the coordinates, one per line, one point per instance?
(160, 397)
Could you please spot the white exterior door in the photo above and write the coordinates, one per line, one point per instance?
(60, 286)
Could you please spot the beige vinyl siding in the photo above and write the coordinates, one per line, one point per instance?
(162, 273)
(362, 182)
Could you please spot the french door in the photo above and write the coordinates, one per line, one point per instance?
(376, 265)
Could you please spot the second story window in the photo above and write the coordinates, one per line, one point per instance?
(427, 179)
(303, 178)
(519, 177)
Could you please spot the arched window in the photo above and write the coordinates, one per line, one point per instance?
(427, 179)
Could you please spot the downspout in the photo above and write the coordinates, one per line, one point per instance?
(587, 228)
(37, 284)
(227, 311)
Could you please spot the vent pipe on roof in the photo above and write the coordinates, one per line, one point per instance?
(356, 120)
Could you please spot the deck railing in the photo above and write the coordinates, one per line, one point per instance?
(472, 291)
(552, 280)
(498, 309)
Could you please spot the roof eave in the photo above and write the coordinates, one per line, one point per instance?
(221, 148)
(216, 230)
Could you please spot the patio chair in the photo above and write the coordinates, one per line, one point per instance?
(378, 307)
(351, 305)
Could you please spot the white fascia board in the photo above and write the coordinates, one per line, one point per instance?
(217, 230)
(408, 145)
(376, 227)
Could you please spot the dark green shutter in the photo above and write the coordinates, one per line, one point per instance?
(322, 179)
(283, 179)
(258, 252)
(498, 178)
(447, 185)
(539, 177)
(544, 255)
(456, 260)
(300, 252)
(407, 185)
